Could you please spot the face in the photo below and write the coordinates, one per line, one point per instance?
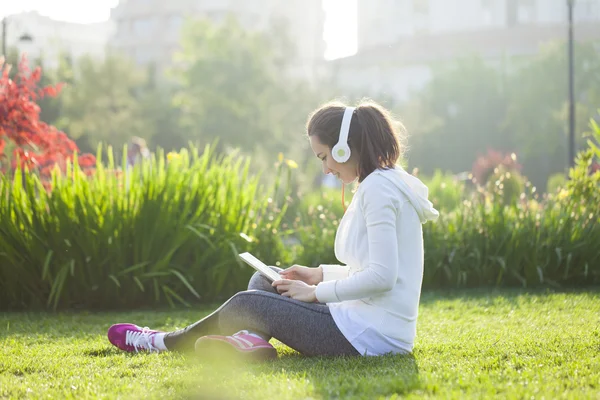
(347, 172)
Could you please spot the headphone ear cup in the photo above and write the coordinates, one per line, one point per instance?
(341, 152)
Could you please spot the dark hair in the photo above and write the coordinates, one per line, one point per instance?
(372, 134)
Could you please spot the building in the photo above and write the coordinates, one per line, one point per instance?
(52, 39)
(385, 22)
(399, 40)
(149, 30)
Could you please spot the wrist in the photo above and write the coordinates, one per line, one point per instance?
(319, 275)
(314, 294)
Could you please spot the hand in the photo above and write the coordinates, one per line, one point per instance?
(297, 290)
(311, 276)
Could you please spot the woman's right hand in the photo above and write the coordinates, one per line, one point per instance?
(311, 276)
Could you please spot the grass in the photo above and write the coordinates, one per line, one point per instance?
(471, 344)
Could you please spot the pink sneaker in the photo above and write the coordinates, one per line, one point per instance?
(130, 337)
(242, 343)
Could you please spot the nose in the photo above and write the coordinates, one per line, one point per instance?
(326, 169)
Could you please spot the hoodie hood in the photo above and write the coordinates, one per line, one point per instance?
(415, 190)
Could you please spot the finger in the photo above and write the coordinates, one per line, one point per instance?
(283, 288)
(280, 289)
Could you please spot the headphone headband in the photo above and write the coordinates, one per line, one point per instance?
(345, 128)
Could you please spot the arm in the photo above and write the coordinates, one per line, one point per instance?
(381, 273)
(334, 272)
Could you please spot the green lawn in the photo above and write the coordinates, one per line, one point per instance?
(473, 344)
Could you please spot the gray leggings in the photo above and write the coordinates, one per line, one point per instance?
(308, 328)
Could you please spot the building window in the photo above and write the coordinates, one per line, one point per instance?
(122, 27)
(421, 6)
(174, 24)
(144, 26)
(487, 11)
(511, 13)
(586, 10)
(526, 11)
(145, 55)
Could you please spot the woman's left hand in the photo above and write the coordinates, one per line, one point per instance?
(296, 290)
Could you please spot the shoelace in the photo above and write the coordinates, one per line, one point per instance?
(241, 342)
(140, 339)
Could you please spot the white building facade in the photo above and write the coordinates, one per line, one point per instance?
(399, 40)
(384, 22)
(51, 39)
(149, 30)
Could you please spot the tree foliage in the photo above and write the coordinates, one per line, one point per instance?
(233, 85)
(103, 102)
(25, 140)
(513, 105)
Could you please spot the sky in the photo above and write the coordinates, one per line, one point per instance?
(340, 25)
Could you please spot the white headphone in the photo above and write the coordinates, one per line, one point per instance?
(341, 151)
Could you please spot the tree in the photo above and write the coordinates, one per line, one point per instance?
(50, 106)
(232, 85)
(518, 105)
(25, 141)
(537, 113)
(104, 102)
(457, 116)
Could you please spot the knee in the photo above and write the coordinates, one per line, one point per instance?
(259, 282)
(238, 302)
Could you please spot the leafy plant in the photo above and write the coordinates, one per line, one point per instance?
(160, 232)
(25, 141)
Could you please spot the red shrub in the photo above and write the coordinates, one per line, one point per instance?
(485, 165)
(37, 145)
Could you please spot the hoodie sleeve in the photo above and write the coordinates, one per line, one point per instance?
(333, 272)
(379, 202)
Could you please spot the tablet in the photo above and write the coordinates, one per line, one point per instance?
(260, 267)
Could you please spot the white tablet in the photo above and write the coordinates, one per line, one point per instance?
(260, 266)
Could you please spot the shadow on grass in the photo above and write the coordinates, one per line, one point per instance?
(342, 377)
(104, 352)
(295, 376)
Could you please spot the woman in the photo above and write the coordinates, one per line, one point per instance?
(369, 305)
(137, 151)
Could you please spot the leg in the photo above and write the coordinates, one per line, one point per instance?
(307, 328)
(184, 338)
(259, 282)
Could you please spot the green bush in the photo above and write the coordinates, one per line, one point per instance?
(163, 232)
(556, 182)
(488, 243)
(501, 235)
(169, 231)
(446, 192)
(506, 185)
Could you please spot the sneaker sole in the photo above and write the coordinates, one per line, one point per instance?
(217, 349)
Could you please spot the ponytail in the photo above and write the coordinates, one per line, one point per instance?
(378, 144)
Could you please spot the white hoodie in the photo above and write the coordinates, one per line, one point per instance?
(374, 297)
